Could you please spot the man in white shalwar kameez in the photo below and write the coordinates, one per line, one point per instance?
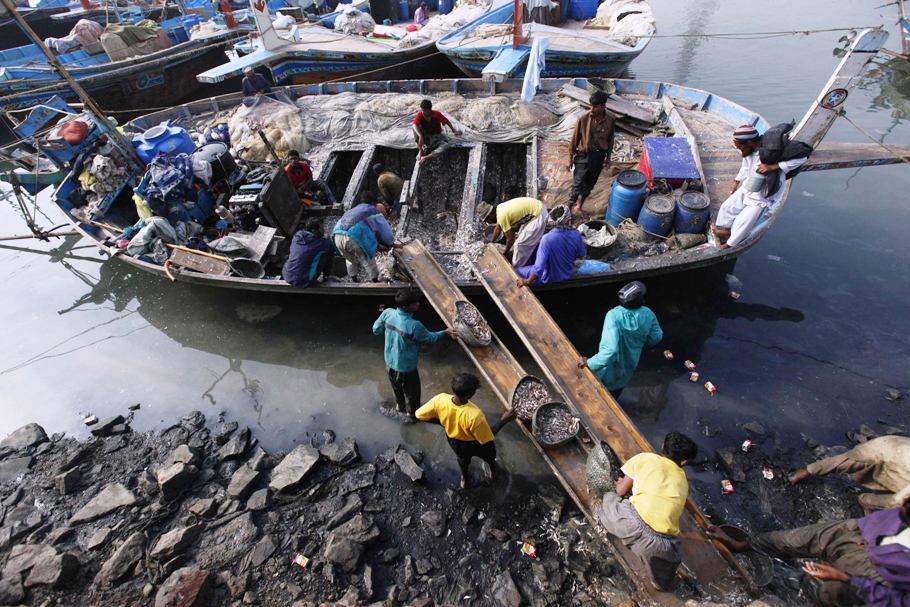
(742, 210)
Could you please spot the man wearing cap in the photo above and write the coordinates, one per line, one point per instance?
(628, 328)
(420, 15)
(389, 184)
(253, 83)
(740, 212)
(590, 149)
(518, 214)
(556, 255)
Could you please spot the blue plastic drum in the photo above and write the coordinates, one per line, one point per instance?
(446, 6)
(626, 198)
(656, 216)
(582, 9)
(164, 138)
(692, 212)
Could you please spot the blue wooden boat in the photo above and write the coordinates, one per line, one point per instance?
(317, 54)
(157, 79)
(447, 190)
(576, 48)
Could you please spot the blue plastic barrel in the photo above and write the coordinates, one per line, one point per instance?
(403, 8)
(563, 10)
(692, 212)
(582, 9)
(445, 6)
(164, 138)
(656, 215)
(627, 197)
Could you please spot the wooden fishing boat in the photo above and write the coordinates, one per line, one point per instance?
(318, 54)
(158, 79)
(576, 47)
(442, 194)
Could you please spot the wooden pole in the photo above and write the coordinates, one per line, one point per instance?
(109, 129)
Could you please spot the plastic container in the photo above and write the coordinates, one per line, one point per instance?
(582, 9)
(692, 212)
(627, 196)
(656, 217)
(163, 139)
(404, 10)
(592, 252)
(446, 6)
(178, 34)
(563, 10)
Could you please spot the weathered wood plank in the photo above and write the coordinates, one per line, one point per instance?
(200, 263)
(615, 103)
(846, 155)
(711, 564)
(260, 241)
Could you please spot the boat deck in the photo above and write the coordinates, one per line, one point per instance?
(570, 36)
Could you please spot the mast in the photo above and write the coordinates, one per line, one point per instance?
(106, 127)
(827, 107)
(267, 33)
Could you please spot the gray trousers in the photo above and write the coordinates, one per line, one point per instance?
(661, 553)
(839, 543)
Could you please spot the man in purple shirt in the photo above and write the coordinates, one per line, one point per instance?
(556, 253)
(870, 556)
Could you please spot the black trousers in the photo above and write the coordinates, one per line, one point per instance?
(466, 449)
(406, 387)
(588, 166)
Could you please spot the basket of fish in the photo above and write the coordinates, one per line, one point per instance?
(528, 395)
(554, 425)
(470, 325)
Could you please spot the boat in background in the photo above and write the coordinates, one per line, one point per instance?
(318, 54)
(499, 44)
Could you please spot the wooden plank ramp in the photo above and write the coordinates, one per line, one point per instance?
(708, 563)
(848, 155)
(502, 372)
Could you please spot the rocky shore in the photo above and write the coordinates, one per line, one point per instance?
(190, 516)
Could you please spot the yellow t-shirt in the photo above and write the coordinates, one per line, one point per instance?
(462, 422)
(659, 491)
(512, 211)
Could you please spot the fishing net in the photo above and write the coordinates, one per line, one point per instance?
(440, 25)
(280, 120)
(628, 20)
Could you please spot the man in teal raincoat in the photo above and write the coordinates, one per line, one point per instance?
(628, 328)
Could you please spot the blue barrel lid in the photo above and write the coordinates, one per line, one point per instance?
(660, 205)
(694, 201)
(632, 179)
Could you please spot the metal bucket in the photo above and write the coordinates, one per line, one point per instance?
(755, 182)
(692, 212)
(526, 411)
(555, 444)
(594, 252)
(247, 268)
(627, 196)
(656, 217)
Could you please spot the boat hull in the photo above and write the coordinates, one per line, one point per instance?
(314, 67)
(143, 85)
(559, 65)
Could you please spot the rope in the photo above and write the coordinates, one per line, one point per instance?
(762, 35)
(889, 150)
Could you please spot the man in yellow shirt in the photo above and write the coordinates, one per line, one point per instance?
(648, 522)
(464, 423)
(521, 215)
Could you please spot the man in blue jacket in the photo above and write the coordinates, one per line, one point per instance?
(359, 234)
(628, 328)
(311, 255)
(403, 337)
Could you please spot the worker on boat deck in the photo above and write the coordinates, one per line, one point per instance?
(428, 130)
(254, 84)
(522, 215)
(403, 338)
(389, 184)
(359, 234)
(311, 255)
(628, 328)
(301, 176)
(556, 254)
(881, 464)
(648, 522)
(420, 15)
(590, 149)
(747, 203)
(466, 427)
(869, 557)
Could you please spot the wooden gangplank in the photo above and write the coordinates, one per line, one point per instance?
(709, 563)
(502, 372)
(848, 155)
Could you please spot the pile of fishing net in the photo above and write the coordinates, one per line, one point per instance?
(281, 121)
(440, 25)
(627, 20)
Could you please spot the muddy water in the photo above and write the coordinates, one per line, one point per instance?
(811, 346)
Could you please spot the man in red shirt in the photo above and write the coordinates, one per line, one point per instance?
(428, 131)
(301, 177)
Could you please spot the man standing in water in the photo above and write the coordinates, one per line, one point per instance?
(628, 328)
(466, 427)
(403, 337)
